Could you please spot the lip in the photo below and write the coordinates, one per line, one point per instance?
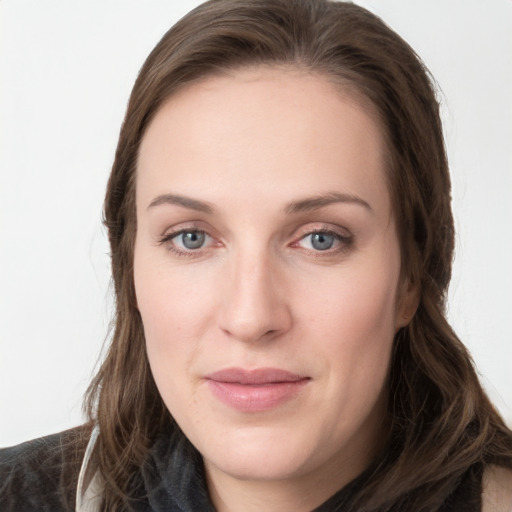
(257, 390)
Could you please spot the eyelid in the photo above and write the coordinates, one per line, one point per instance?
(344, 238)
(181, 227)
(169, 234)
(312, 228)
(342, 235)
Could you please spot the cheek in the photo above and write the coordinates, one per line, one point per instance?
(354, 303)
(176, 308)
(174, 313)
(351, 317)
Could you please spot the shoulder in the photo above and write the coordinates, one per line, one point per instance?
(41, 474)
(497, 490)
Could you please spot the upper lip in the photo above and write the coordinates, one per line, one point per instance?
(255, 376)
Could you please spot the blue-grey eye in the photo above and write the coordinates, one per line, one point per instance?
(322, 241)
(193, 239)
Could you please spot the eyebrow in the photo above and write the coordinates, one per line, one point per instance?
(314, 203)
(186, 202)
(302, 205)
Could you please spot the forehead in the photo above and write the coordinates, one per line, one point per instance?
(257, 129)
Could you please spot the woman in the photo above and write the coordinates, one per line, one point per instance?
(281, 234)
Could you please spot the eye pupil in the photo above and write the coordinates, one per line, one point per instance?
(193, 239)
(322, 241)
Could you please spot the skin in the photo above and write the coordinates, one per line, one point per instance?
(259, 293)
(497, 490)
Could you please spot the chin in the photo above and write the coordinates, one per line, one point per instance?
(261, 464)
(262, 453)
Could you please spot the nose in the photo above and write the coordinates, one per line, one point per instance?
(254, 305)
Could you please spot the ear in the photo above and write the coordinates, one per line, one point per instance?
(408, 298)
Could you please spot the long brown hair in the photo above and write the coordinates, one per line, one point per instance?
(441, 421)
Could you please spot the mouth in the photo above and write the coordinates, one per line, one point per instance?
(256, 390)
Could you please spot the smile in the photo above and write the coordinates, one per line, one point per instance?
(255, 390)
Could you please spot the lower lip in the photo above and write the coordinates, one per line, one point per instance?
(255, 397)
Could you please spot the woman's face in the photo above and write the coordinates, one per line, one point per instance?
(267, 272)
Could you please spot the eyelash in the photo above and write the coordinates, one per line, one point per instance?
(171, 247)
(344, 242)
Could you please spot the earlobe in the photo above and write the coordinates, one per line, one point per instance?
(407, 303)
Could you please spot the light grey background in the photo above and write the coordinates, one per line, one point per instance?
(66, 69)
